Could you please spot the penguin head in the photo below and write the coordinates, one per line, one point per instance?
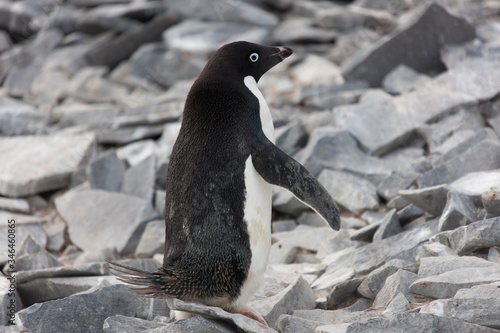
(244, 59)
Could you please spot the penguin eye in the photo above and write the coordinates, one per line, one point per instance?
(254, 57)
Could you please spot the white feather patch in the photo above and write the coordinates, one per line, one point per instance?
(265, 115)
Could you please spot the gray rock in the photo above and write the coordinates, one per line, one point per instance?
(399, 304)
(333, 276)
(155, 63)
(491, 203)
(294, 324)
(35, 231)
(409, 213)
(122, 324)
(402, 79)
(400, 246)
(389, 226)
(478, 182)
(87, 311)
(18, 118)
(437, 250)
(475, 236)
(353, 193)
(56, 236)
(5, 41)
(242, 322)
(106, 172)
(139, 179)
(47, 289)
(219, 10)
(459, 211)
(285, 225)
(394, 7)
(394, 285)
(431, 199)
(282, 253)
(40, 163)
(196, 323)
(338, 242)
(129, 41)
(15, 205)
(336, 149)
(308, 238)
(341, 292)
(409, 323)
(152, 240)
(494, 254)
(297, 296)
(365, 234)
(159, 202)
(374, 281)
(206, 37)
(290, 137)
(18, 81)
(300, 30)
(350, 17)
(136, 152)
(448, 283)
(31, 256)
(95, 217)
(431, 266)
(335, 316)
(62, 271)
(453, 30)
(477, 305)
(315, 70)
(330, 96)
(9, 300)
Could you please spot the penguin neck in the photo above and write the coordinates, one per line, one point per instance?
(265, 115)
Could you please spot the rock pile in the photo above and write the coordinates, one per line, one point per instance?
(393, 105)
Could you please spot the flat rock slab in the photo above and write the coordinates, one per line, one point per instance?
(408, 323)
(86, 312)
(99, 219)
(308, 238)
(35, 164)
(447, 284)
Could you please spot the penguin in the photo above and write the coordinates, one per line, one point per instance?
(219, 187)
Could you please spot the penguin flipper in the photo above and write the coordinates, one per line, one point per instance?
(279, 169)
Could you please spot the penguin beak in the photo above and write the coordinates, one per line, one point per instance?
(284, 52)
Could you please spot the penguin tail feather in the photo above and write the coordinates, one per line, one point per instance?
(152, 284)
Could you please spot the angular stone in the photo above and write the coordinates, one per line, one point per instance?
(374, 281)
(206, 37)
(282, 253)
(56, 236)
(475, 236)
(47, 289)
(333, 148)
(410, 213)
(447, 284)
(242, 322)
(284, 225)
(106, 172)
(473, 159)
(491, 203)
(341, 292)
(402, 79)
(305, 237)
(353, 193)
(122, 324)
(19, 79)
(335, 316)
(338, 242)
(389, 226)
(408, 323)
(365, 234)
(333, 277)
(35, 231)
(330, 96)
(494, 254)
(94, 217)
(459, 211)
(152, 240)
(437, 250)
(431, 199)
(395, 284)
(15, 205)
(438, 265)
(139, 179)
(399, 304)
(18, 118)
(5, 41)
(31, 256)
(421, 54)
(62, 271)
(350, 17)
(400, 246)
(297, 296)
(159, 202)
(477, 305)
(87, 311)
(478, 182)
(294, 324)
(290, 136)
(130, 40)
(40, 163)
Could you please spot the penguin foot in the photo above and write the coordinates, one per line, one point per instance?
(251, 313)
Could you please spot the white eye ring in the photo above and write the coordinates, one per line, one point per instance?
(254, 57)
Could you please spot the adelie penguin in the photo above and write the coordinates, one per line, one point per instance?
(218, 192)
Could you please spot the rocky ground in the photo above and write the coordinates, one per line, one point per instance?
(393, 105)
